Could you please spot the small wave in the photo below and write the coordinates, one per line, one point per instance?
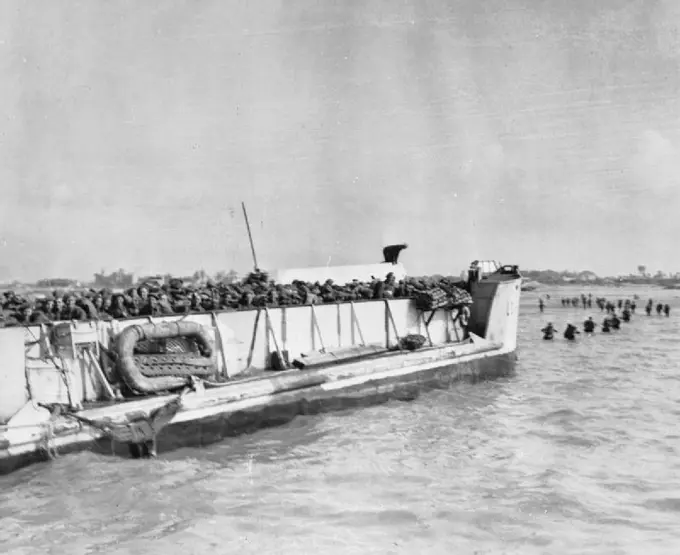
(666, 504)
(626, 523)
(369, 518)
(563, 414)
(569, 440)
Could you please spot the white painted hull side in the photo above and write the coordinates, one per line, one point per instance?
(207, 415)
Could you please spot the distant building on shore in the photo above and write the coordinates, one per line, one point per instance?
(57, 283)
(586, 276)
(116, 280)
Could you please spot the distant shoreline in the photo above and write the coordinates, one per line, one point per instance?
(537, 285)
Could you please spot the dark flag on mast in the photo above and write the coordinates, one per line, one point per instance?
(391, 252)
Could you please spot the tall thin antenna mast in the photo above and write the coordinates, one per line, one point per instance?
(250, 236)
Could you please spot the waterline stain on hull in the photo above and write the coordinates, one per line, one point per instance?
(284, 407)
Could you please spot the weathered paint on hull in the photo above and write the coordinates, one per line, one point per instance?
(286, 406)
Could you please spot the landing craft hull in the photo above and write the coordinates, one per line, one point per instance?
(204, 426)
(270, 399)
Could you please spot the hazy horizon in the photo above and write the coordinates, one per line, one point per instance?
(540, 134)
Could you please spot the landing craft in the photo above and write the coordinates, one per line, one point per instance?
(63, 388)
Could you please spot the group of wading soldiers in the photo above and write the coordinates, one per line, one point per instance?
(608, 306)
(255, 291)
(611, 320)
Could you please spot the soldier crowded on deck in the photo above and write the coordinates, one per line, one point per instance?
(176, 297)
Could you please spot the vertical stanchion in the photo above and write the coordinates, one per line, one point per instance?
(252, 340)
(315, 327)
(219, 339)
(339, 321)
(390, 318)
(355, 322)
(270, 330)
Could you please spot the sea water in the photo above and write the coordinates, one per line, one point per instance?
(577, 453)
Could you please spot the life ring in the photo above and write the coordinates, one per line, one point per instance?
(464, 315)
(130, 371)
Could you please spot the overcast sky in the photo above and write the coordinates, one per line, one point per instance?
(540, 133)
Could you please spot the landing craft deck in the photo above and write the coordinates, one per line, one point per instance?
(76, 383)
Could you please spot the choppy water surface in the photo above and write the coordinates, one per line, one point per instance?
(578, 453)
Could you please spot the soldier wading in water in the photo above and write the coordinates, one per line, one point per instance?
(571, 332)
(614, 322)
(548, 332)
(589, 325)
(625, 315)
